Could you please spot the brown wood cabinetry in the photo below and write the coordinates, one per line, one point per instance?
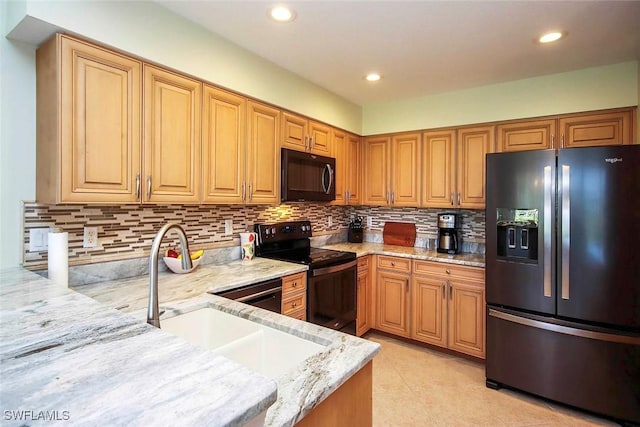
(294, 296)
(454, 167)
(172, 143)
(348, 168)
(364, 296)
(299, 133)
(391, 175)
(526, 135)
(600, 128)
(88, 124)
(393, 295)
(449, 306)
(263, 154)
(224, 150)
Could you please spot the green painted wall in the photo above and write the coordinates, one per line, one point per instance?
(588, 89)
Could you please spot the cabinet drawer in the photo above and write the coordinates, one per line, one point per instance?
(394, 263)
(294, 283)
(363, 263)
(300, 315)
(449, 270)
(294, 303)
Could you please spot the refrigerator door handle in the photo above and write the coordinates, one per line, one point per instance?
(566, 230)
(576, 332)
(547, 232)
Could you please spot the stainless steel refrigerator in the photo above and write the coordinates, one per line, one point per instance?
(563, 276)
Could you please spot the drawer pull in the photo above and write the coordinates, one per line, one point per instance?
(448, 271)
(294, 304)
(393, 264)
(294, 284)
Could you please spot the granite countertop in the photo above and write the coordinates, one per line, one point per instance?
(362, 249)
(64, 351)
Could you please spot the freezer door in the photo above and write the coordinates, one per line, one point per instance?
(598, 273)
(520, 264)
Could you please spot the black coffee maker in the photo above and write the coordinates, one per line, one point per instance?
(449, 233)
(355, 230)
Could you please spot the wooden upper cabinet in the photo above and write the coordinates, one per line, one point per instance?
(295, 132)
(263, 154)
(354, 169)
(88, 124)
(587, 130)
(375, 183)
(438, 168)
(526, 135)
(172, 142)
(472, 147)
(301, 134)
(346, 149)
(405, 176)
(223, 146)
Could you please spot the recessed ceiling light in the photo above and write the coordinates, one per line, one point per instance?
(373, 77)
(282, 14)
(551, 37)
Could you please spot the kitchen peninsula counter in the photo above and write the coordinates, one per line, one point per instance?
(367, 248)
(64, 351)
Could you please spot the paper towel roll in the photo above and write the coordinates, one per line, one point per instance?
(59, 258)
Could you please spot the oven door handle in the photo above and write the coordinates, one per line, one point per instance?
(260, 294)
(333, 268)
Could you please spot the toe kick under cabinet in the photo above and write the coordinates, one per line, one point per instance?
(432, 302)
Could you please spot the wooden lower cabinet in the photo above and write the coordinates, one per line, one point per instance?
(364, 297)
(294, 296)
(393, 296)
(432, 302)
(351, 405)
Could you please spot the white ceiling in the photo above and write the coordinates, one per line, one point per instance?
(424, 47)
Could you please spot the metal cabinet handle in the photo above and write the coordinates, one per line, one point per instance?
(148, 187)
(406, 282)
(566, 230)
(451, 198)
(546, 238)
(450, 290)
(138, 187)
(294, 304)
(444, 290)
(393, 264)
(250, 191)
(448, 271)
(243, 191)
(387, 198)
(562, 141)
(294, 284)
(553, 141)
(459, 200)
(312, 142)
(393, 197)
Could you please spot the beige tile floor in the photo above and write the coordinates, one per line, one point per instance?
(418, 386)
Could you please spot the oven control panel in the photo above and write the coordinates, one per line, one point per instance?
(281, 231)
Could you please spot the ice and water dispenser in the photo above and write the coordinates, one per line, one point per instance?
(517, 231)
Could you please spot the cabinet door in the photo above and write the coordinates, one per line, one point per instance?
(429, 310)
(172, 142)
(100, 138)
(376, 171)
(354, 168)
(263, 154)
(295, 132)
(526, 135)
(363, 318)
(320, 139)
(467, 317)
(392, 291)
(224, 146)
(590, 130)
(473, 145)
(405, 176)
(341, 152)
(438, 168)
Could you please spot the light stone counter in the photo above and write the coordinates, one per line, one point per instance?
(362, 249)
(66, 357)
(63, 351)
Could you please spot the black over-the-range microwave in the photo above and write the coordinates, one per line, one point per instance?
(307, 177)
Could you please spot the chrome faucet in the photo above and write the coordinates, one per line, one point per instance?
(153, 312)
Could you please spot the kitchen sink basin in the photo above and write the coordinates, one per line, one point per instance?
(258, 347)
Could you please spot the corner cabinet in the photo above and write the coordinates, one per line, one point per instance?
(299, 133)
(391, 170)
(80, 87)
(348, 168)
(172, 144)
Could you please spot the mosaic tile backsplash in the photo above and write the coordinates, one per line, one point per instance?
(127, 231)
